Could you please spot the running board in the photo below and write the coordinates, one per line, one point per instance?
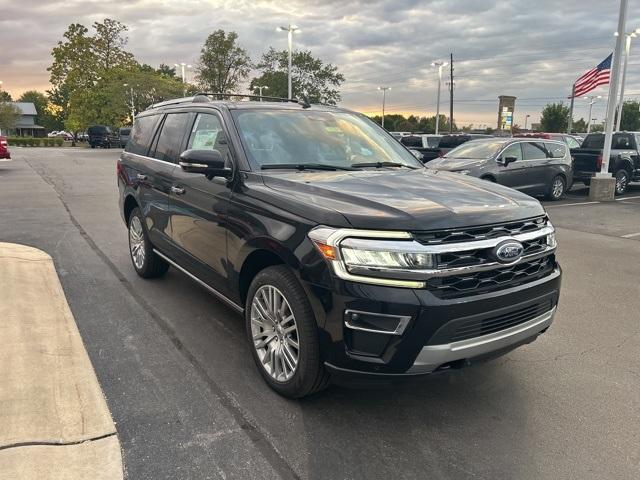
(226, 300)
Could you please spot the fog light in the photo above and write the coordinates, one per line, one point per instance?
(376, 322)
(551, 240)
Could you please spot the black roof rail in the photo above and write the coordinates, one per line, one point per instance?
(300, 101)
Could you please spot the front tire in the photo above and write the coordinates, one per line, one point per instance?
(283, 334)
(557, 188)
(622, 181)
(145, 261)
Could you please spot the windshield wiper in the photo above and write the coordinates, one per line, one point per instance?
(303, 166)
(381, 165)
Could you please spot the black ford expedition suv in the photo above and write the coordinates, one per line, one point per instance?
(344, 254)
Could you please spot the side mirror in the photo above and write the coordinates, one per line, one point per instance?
(206, 162)
(507, 160)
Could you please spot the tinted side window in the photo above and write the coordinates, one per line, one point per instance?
(512, 151)
(533, 150)
(141, 134)
(171, 136)
(207, 134)
(594, 141)
(622, 141)
(555, 149)
(411, 141)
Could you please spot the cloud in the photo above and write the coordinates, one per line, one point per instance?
(532, 51)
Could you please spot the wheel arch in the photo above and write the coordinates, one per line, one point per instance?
(130, 203)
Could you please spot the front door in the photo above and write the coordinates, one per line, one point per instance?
(538, 161)
(512, 174)
(199, 205)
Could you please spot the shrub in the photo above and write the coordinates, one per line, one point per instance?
(59, 142)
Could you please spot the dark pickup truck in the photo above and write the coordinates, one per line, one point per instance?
(624, 162)
(447, 143)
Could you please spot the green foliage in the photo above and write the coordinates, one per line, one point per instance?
(167, 71)
(554, 118)
(59, 142)
(5, 96)
(579, 125)
(309, 76)
(80, 60)
(630, 120)
(398, 123)
(223, 63)
(9, 116)
(597, 127)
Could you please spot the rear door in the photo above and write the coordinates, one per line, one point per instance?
(537, 161)
(162, 162)
(199, 205)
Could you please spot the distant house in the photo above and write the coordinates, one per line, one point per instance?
(26, 126)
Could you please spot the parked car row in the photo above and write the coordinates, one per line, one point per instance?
(536, 163)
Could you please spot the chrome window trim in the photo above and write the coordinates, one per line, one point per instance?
(403, 321)
(372, 275)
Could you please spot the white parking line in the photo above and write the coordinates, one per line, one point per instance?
(571, 204)
(631, 235)
(621, 199)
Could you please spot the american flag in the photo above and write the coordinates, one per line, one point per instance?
(593, 78)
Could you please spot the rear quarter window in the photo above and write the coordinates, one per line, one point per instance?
(141, 134)
(411, 141)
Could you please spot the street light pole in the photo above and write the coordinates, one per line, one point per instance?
(384, 98)
(439, 65)
(290, 29)
(526, 117)
(183, 74)
(133, 108)
(260, 87)
(592, 99)
(627, 47)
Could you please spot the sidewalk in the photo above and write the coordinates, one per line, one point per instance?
(54, 421)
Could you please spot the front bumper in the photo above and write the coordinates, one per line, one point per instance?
(429, 343)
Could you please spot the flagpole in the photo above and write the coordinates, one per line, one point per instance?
(603, 185)
(573, 95)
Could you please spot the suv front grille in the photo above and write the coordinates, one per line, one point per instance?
(481, 233)
(470, 258)
(455, 286)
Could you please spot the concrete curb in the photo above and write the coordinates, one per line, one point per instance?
(54, 420)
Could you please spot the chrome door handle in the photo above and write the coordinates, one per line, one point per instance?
(177, 190)
(142, 177)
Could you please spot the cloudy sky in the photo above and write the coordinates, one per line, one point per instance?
(532, 50)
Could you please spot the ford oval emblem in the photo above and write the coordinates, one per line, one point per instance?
(508, 251)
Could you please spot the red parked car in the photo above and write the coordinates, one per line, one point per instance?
(4, 148)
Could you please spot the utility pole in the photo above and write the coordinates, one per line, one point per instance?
(451, 94)
(384, 98)
(260, 88)
(592, 99)
(290, 29)
(628, 37)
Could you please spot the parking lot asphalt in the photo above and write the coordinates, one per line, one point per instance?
(188, 402)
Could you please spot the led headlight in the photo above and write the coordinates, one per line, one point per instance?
(379, 255)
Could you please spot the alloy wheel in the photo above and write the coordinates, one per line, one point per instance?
(274, 333)
(557, 188)
(136, 242)
(621, 182)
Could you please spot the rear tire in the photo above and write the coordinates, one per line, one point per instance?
(145, 261)
(622, 181)
(283, 334)
(557, 188)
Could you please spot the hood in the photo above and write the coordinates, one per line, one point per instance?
(397, 199)
(452, 164)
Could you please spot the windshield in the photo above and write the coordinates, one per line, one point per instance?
(475, 149)
(336, 139)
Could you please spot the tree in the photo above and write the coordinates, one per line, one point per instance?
(630, 120)
(579, 125)
(166, 71)
(554, 118)
(80, 60)
(310, 76)
(9, 116)
(5, 96)
(223, 63)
